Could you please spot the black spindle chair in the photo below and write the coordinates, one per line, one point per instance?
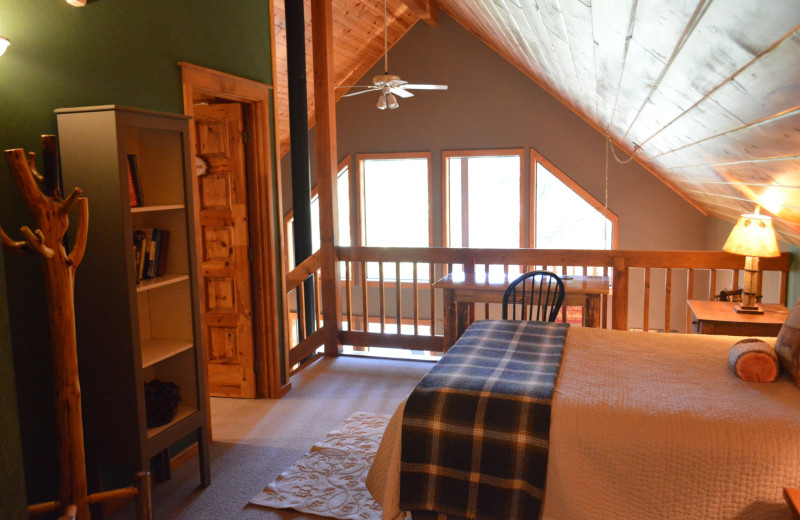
(535, 296)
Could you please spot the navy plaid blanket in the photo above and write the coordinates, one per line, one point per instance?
(476, 428)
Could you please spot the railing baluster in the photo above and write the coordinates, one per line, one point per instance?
(646, 315)
(318, 298)
(348, 268)
(398, 298)
(712, 285)
(382, 297)
(415, 296)
(432, 279)
(668, 301)
(301, 312)
(689, 296)
(364, 297)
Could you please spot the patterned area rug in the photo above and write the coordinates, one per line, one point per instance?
(329, 479)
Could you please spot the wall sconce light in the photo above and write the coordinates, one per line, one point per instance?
(4, 43)
(754, 237)
(76, 3)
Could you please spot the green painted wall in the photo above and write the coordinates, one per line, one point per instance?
(793, 283)
(12, 484)
(122, 52)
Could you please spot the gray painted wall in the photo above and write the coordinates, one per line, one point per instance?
(490, 104)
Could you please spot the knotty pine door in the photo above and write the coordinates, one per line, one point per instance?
(227, 312)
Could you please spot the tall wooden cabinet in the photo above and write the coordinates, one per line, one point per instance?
(129, 332)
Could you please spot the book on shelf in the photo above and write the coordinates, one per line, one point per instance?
(150, 252)
(132, 189)
(163, 246)
(134, 183)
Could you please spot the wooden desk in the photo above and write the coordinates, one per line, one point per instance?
(460, 291)
(712, 317)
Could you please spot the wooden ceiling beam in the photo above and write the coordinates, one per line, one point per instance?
(427, 10)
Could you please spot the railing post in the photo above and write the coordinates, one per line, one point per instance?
(325, 110)
(619, 298)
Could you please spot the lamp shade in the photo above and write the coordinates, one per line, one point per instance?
(4, 43)
(753, 235)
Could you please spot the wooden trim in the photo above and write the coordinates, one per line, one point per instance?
(183, 456)
(536, 157)
(307, 268)
(427, 10)
(276, 144)
(466, 154)
(792, 497)
(308, 345)
(261, 208)
(327, 172)
(409, 342)
(361, 157)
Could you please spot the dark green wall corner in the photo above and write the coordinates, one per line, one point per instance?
(108, 52)
(12, 480)
(793, 283)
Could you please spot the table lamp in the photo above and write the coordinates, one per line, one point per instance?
(754, 237)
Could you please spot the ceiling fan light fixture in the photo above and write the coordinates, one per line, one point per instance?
(391, 101)
(382, 103)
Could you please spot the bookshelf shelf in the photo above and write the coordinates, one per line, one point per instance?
(129, 332)
(161, 207)
(182, 413)
(155, 350)
(167, 279)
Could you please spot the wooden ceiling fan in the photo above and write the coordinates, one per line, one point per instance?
(389, 85)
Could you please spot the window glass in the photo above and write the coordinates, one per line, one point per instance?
(484, 203)
(396, 212)
(564, 219)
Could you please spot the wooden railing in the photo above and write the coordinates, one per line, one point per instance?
(303, 344)
(649, 288)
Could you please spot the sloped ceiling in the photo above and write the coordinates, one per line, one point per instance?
(704, 93)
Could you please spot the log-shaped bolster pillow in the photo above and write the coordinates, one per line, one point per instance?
(754, 360)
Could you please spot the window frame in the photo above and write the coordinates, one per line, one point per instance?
(288, 218)
(536, 157)
(359, 229)
(466, 154)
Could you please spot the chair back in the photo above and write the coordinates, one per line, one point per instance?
(534, 296)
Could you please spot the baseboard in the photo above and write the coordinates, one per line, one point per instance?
(183, 457)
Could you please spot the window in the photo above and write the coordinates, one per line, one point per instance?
(343, 189)
(566, 216)
(484, 191)
(395, 206)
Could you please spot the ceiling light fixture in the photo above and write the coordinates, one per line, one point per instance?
(76, 3)
(4, 43)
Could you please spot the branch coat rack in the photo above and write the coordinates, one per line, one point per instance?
(41, 196)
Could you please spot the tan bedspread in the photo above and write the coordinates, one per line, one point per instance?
(657, 426)
(654, 426)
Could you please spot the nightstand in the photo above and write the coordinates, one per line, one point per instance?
(712, 317)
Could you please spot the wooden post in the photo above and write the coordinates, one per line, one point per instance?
(325, 107)
(619, 298)
(51, 212)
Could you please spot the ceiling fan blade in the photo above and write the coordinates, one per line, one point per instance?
(400, 92)
(359, 92)
(355, 86)
(426, 87)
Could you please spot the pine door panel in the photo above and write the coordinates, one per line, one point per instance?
(224, 262)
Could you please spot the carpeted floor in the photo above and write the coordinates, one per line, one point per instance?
(256, 439)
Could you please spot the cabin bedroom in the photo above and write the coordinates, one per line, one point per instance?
(280, 259)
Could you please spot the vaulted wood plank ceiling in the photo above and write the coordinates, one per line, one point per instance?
(704, 93)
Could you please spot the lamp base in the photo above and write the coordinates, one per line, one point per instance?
(742, 309)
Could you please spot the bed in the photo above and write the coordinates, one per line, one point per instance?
(652, 426)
